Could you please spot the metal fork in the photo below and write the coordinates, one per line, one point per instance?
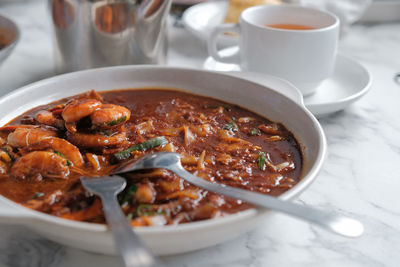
(335, 223)
(131, 248)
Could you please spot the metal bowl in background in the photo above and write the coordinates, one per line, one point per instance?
(92, 34)
(9, 36)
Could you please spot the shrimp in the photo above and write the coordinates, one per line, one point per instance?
(86, 140)
(78, 109)
(145, 193)
(46, 117)
(68, 150)
(71, 127)
(22, 136)
(11, 128)
(94, 95)
(109, 115)
(40, 164)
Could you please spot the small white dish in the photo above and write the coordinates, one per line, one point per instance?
(201, 19)
(348, 83)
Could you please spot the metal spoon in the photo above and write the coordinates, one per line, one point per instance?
(131, 248)
(171, 161)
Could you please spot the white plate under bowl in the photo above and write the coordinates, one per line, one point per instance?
(348, 83)
(201, 20)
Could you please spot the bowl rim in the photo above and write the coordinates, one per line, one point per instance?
(306, 180)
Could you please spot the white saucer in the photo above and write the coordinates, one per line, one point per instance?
(349, 82)
(201, 19)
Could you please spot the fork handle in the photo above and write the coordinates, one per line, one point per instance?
(133, 251)
(336, 223)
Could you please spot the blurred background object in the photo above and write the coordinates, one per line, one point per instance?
(382, 11)
(236, 7)
(348, 11)
(90, 34)
(179, 6)
(9, 36)
(202, 18)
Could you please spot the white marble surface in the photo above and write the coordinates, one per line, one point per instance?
(361, 176)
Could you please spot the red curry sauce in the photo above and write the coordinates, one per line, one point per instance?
(218, 141)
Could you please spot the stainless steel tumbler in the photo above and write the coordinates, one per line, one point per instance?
(97, 33)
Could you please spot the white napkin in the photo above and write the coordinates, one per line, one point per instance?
(348, 11)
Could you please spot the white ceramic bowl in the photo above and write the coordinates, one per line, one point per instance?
(168, 239)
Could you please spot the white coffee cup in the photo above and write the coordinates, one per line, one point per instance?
(303, 57)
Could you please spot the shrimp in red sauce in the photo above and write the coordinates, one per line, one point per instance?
(45, 151)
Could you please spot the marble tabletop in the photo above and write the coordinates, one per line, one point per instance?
(361, 176)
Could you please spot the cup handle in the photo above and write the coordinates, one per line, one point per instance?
(212, 43)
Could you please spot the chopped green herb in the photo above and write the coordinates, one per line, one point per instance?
(211, 106)
(128, 195)
(68, 163)
(149, 144)
(143, 209)
(225, 106)
(261, 161)
(231, 125)
(129, 217)
(8, 153)
(255, 131)
(117, 121)
(37, 195)
(132, 189)
(147, 210)
(103, 132)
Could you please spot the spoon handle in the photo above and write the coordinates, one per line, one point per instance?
(336, 223)
(131, 248)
